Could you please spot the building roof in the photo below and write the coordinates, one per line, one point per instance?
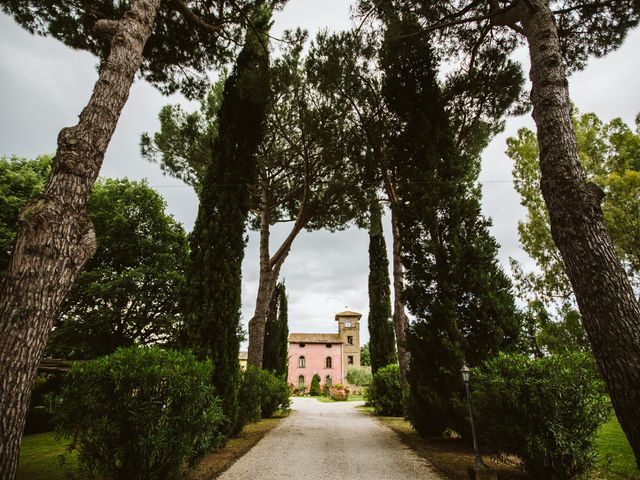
(315, 338)
(348, 313)
(243, 355)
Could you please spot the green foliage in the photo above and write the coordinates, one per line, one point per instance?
(610, 157)
(382, 346)
(385, 393)
(128, 292)
(455, 288)
(359, 376)
(39, 418)
(365, 355)
(546, 411)
(178, 53)
(20, 180)
(139, 413)
(315, 390)
(261, 394)
(213, 294)
(275, 356)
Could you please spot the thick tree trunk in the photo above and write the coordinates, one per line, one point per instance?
(610, 311)
(400, 320)
(55, 236)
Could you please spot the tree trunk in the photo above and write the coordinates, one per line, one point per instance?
(55, 236)
(266, 284)
(400, 320)
(610, 311)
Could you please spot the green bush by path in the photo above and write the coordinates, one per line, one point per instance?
(546, 411)
(385, 392)
(139, 413)
(261, 393)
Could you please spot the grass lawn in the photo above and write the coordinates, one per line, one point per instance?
(616, 457)
(39, 458)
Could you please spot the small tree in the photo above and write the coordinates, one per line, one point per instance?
(315, 386)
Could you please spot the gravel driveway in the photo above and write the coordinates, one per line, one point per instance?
(330, 441)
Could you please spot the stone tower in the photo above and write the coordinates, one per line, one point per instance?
(349, 331)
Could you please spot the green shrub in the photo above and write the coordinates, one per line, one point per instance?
(385, 391)
(546, 411)
(261, 394)
(314, 390)
(139, 413)
(340, 393)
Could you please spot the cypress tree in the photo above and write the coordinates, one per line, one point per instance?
(460, 297)
(381, 334)
(213, 297)
(276, 335)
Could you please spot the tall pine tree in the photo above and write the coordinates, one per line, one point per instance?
(460, 297)
(213, 296)
(276, 336)
(381, 335)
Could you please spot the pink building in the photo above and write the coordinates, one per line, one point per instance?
(327, 354)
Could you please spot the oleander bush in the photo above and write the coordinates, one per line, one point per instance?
(385, 393)
(139, 413)
(261, 394)
(546, 411)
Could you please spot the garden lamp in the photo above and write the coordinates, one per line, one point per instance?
(478, 464)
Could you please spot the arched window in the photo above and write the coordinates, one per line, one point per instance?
(327, 380)
(327, 362)
(301, 381)
(301, 362)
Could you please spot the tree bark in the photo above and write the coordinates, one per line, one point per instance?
(55, 236)
(400, 320)
(610, 311)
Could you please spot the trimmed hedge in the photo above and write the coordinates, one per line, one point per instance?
(139, 413)
(546, 411)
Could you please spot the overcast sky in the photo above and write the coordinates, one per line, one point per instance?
(44, 85)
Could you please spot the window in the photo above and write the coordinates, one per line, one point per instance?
(350, 359)
(327, 362)
(328, 345)
(301, 381)
(301, 344)
(350, 340)
(327, 380)
(301, 362)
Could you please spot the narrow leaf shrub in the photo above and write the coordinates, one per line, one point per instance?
(385, 392)
(315, 390)
(139, 413)
(261, 393)
(546, 411)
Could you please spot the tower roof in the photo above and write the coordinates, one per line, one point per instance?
(348, 313)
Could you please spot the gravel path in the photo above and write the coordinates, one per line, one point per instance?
(330, 441)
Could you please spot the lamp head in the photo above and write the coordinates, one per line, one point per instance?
(466, 373)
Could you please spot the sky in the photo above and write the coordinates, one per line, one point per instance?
(44, 85)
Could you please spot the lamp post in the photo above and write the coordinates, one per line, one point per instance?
(478, 464)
